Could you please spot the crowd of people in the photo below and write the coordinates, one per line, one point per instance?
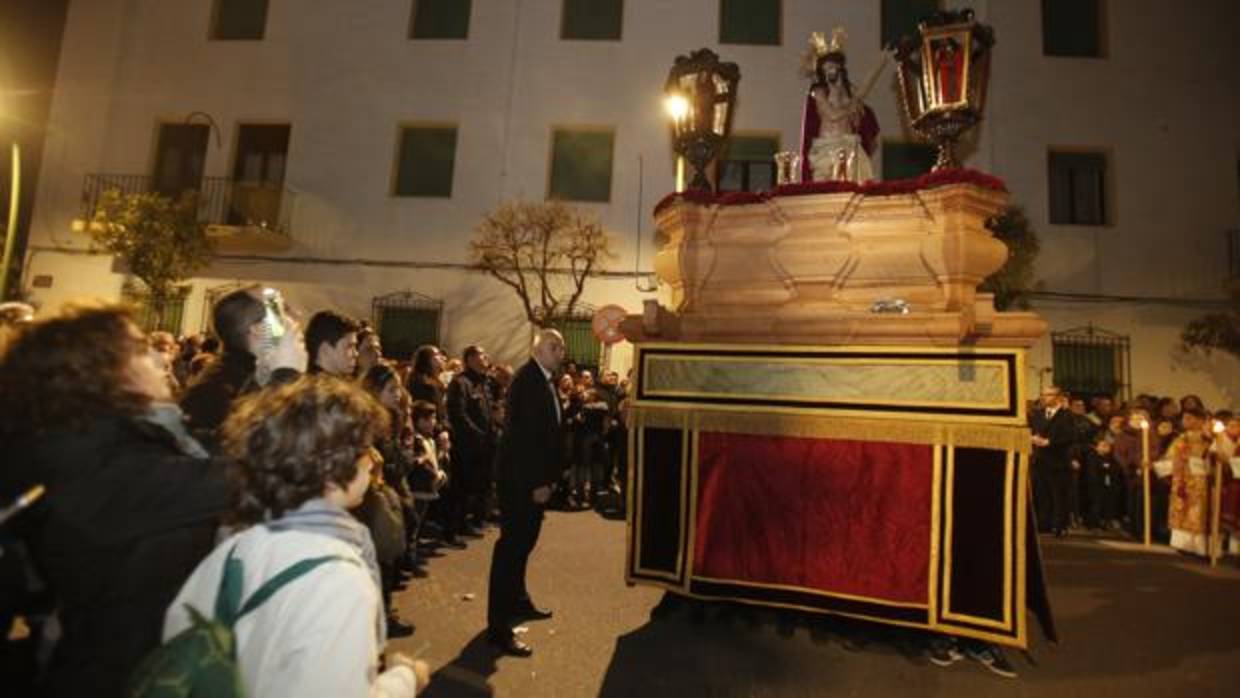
(1089, 460)
(152, 483)
(177, 469)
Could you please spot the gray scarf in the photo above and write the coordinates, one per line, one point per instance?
(168, 416)
(321, 517)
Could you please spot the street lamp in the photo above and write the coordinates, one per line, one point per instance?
(700, 95)
(10, 232)
(943, 78)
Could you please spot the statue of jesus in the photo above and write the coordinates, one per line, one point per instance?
(838, 132)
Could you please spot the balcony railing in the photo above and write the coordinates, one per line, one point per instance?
(221, 202)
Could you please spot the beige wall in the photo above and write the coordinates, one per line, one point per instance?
(1163, 102)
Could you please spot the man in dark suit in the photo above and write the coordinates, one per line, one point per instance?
(473, 436)
(530, 460)
(1053, 438)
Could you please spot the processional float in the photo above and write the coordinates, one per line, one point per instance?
(830, 416)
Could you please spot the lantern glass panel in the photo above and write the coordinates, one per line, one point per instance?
(945, 53)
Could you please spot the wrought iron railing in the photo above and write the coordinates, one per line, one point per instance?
(1091, 361)
(221, 201)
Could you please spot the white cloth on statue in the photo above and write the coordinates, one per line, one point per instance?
(840, 157)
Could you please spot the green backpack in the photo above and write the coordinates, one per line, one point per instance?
(201, 660)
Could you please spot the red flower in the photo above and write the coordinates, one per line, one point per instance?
(930, 180)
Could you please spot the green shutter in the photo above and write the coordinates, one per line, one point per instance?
(1077, 188)
(903, 160)
(581, 165)
(750, 22)
(425, 161)
(440, 19)
(751, 148)
(901, 17)
(403, 330)
(599, 20)
(580, 345)
(1071, 28)
(239, 19)
(748, 163)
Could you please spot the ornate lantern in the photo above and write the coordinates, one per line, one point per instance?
(943, 78)
(700, 96)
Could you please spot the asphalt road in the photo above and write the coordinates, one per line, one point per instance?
(1132, 623)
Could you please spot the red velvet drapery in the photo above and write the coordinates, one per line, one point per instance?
(837, 516)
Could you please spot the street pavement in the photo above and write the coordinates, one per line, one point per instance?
(1132, 623)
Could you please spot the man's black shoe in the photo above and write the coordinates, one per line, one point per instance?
(510, 645)
(454, 543)
(395, 628)
(532, 612)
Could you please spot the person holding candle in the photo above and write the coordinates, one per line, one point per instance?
(1225, 452)
(1188, 514)
(1133, 446)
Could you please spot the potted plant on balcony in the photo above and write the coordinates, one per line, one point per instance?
(161, 242)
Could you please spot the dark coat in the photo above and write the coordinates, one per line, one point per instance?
(430, 390)
(125, 520)
(469, 412)
(207, 402)
(531, 453)
(1060, 430)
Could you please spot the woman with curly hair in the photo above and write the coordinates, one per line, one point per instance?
(303, 454)
(132, 503)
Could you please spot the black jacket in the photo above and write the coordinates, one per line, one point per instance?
(125, 519)
(469, 413)
(208, 400)
(1060, 430)
(430, 390)
(531, 453)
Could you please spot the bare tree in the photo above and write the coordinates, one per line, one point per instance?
(543, 251)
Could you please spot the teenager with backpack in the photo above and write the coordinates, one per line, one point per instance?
(296, 596)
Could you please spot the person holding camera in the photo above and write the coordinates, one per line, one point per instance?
(262, 344)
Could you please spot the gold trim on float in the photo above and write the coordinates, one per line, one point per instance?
(827, 361)
(630, 540)
(947, 614)
(679, 572)
(1022, 512)
(689, 548)
(822, 349)
(1017, 355)
(683, 532)
(811, 592)
(932, 582)
(952, 630)
(747, 420)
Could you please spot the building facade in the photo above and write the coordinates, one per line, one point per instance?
(368, 139)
